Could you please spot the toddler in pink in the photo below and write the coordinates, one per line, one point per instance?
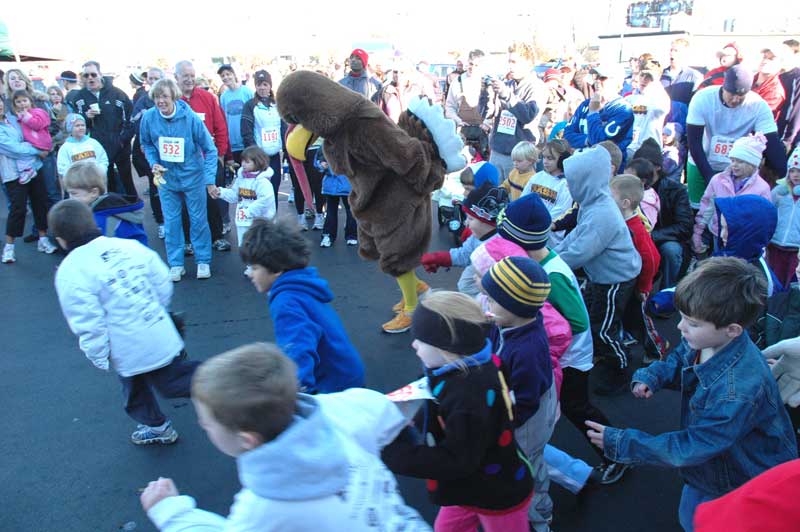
(34, 124)
(740, 178)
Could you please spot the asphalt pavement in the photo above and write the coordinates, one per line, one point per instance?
(67, 463)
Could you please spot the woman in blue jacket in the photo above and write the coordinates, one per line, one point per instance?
(179, 148)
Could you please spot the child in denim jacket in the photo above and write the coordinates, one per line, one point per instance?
(733, 424)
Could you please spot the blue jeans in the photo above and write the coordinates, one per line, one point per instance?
(200, 234)
(691, 498)
(50, 175)
(671, 260)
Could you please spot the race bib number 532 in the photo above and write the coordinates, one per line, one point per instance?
(171, 149)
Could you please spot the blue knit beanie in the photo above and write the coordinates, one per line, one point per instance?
(481, 173)
(526, 222)
(518, 284)
(71, 119)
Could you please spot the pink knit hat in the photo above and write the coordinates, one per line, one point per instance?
(749, 149)
(492, 251)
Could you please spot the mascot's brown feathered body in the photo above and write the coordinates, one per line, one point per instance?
(392, 169)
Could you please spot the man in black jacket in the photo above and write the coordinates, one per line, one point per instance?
(674, 226)
(108, 112)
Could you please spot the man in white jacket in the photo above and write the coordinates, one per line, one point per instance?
(305, 462)
(114, 294)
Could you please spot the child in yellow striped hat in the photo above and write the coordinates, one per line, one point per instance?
(517, 288)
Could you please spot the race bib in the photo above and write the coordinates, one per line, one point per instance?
(720, 149)
(242, 215)
(171, 149)
(202, 116)
(268, 136)
(507, 123)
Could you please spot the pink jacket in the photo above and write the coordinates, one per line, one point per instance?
(559, 336)
(34, 124)
(721, 186)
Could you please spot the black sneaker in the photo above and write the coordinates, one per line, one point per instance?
(222, 245)
(611, 472)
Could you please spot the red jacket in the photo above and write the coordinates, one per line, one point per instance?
(206, 105)
(768, 502)
(772, 92)
(643, 243)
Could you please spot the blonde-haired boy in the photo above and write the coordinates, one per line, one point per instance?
(524, 156)
(305, 462)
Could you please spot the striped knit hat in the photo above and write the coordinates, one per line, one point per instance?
(526, 222)
(518, 284)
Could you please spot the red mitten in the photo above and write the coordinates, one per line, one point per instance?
(465, 234)
(438, 259)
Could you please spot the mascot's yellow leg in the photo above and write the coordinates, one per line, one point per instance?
(408, 287)
(402, 321)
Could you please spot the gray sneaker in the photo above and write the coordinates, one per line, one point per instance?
(144, 435)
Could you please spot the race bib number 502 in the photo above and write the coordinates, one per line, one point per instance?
(171, 149)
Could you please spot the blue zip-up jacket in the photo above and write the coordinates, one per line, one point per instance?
(120, 216)
(332, 184)
(733, 423)
(310, 332)
(520, 102)
(613, 122)
(787, 234)
(525, 353)
(199, 166)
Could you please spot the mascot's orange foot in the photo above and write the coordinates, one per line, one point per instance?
(422, 287)
(400, 324)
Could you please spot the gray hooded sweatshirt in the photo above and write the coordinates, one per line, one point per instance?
(601, 243)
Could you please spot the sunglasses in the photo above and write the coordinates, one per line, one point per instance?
(89, 75)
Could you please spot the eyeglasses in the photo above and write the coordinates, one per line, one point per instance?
(90, 75)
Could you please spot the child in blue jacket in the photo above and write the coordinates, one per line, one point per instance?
(733, 424)
(115, 214)
(306, 327)
(335, 188)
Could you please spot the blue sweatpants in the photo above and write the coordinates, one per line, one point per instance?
(199, 233)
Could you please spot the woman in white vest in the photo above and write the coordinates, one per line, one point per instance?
(262, 126)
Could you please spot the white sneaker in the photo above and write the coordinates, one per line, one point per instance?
(45, 246)
(176, 272)
(301, 220)
(161, 233)
(326, 242)
(352, 242)
(203, 271)
(248, 271)
(319, 221)
(8, 254)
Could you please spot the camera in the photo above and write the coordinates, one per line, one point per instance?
(488, 79)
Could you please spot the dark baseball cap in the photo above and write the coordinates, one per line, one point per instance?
(68, 75)
(225, 67)
(262, 75)
(738, 80)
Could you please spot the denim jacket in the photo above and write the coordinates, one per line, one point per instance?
(733, 423)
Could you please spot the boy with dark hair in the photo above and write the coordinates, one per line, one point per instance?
(114, 294)
(733, 424)
(305, 463)
(305, 324)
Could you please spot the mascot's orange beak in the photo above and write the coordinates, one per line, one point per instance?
(298, 139)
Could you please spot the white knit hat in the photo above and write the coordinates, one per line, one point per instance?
(749, 149)
(794, 159)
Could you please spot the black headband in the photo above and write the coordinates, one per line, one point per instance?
(429, 327)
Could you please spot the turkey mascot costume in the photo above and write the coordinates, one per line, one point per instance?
(393, 168)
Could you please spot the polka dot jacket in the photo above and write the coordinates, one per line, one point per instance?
(465, 444)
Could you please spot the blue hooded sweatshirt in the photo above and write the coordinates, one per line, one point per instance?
(120, 216)
(199, 166)
(613, 122)
(751, 223)
(310, 332)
